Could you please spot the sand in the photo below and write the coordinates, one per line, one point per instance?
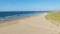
(30, 25)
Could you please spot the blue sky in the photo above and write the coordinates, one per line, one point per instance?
(29, 5)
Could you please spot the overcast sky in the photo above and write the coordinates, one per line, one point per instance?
(29, 5)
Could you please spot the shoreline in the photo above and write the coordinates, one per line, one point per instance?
(11, 22)
(36, 24)
(14, 17)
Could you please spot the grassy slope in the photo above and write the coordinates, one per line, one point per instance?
(54, 16)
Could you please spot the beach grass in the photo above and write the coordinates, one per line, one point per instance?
(53, 16)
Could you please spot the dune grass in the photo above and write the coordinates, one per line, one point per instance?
(53, 16)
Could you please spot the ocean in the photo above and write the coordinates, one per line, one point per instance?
(11, 15)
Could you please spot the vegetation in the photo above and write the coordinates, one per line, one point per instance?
(54, 16)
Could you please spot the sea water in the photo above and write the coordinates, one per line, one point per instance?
(11, 15)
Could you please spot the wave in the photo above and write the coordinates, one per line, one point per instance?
(13, 17)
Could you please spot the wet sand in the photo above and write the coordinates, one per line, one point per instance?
(30, 25)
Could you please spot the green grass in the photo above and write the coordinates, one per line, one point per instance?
(54, 16)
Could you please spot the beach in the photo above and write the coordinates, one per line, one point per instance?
(36, 24)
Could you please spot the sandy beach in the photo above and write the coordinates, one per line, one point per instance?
(30, 25)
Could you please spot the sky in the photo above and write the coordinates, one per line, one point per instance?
(29, 5)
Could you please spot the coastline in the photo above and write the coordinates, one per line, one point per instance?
(36, 24)
(15, 20)
(14, 17)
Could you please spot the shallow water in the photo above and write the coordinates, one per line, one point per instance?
(10, 15)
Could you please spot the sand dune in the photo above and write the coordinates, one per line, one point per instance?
(31, 25)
